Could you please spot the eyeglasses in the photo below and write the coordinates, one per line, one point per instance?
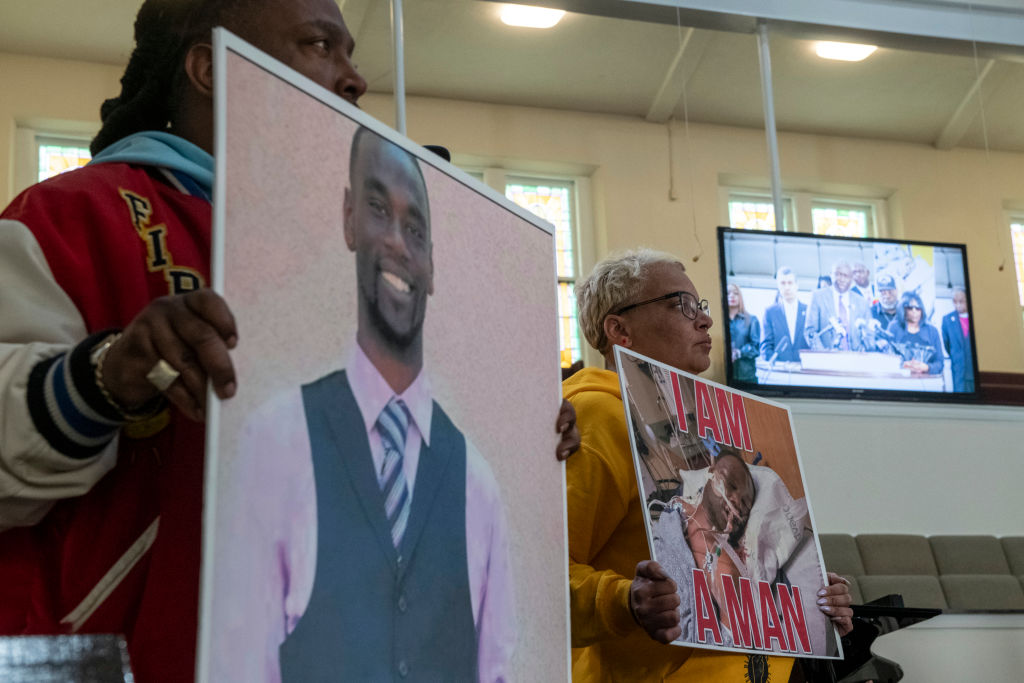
(911, 308)
(688, 304)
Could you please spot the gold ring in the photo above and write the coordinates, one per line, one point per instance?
(163, 375)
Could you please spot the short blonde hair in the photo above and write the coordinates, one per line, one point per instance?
(616, 281)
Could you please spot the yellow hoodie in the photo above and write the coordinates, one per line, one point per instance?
(606, 541)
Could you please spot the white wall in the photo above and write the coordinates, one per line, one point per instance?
(57, 95)
(917, 468)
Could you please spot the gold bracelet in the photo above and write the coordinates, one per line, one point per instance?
(96, 357)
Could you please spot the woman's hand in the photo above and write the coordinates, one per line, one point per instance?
(566, 426)
(834, 600)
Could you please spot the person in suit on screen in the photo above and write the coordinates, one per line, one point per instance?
(784, 321)
(956, 336)
(837, 317)
(862, 281)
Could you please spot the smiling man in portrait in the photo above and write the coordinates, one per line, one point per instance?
(373, 527)
(401, 568)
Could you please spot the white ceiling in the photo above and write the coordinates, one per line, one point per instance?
(458, 49)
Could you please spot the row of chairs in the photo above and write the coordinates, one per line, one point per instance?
(959, 573)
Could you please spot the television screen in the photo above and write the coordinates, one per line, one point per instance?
(819, 316)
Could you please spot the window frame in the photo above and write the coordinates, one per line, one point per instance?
(745, 196)
(43, 139)
(497, 177)
(26, 146)
(1016, 218)
(846, 203)
(800, 203)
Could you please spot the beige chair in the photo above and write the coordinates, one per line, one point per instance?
(969, 555)
(917, 591)
(842, 557)
(896, 554)
(1013, 548)
(982, 591)
(841, 554)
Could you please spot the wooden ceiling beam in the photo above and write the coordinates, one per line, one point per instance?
(992, 72)
(677, 76)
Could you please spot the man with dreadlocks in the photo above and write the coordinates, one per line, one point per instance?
(109, 337)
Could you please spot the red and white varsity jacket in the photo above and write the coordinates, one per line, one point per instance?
(101, 524)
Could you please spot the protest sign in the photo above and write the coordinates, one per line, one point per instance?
(726, 512)
(382, 495)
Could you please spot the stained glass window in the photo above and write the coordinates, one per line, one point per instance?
(751, 215)
(569, 349)
(1017, 236)
(553, 201)
(839, 216)
(58, 156)
(841, 221)
(756, 212)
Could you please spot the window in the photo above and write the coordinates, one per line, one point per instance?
(840, 219)
(756, 212)
(560, 197)
(836, 216)
(58, 155)
(1017, 240)
(39, 154)
(553, 201)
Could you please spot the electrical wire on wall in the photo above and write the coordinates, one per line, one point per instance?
(398, 44)
(1001, 237)
(688, 156)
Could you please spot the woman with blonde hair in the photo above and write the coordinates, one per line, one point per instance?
(624, 606)
(745, 335)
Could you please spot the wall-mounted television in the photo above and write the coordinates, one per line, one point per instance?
(837, 317)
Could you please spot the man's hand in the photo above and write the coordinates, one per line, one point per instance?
(566, 426)
(654, 602)
(834, 600)
(193, 333)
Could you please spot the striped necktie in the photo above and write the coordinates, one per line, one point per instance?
(392, 425)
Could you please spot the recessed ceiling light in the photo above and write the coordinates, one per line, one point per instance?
(846, 52)
(531, 17)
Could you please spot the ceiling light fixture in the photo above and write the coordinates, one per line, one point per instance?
(845, 52)
(531, 17)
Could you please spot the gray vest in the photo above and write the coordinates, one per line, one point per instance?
(376, 614)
